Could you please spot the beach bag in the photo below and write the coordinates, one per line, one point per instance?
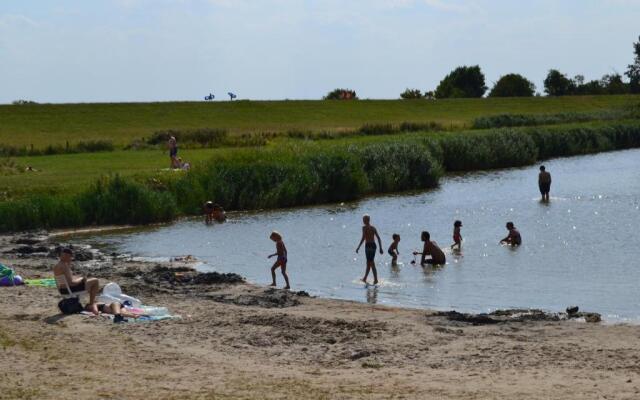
(70, 306)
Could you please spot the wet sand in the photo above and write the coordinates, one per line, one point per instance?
(240, 341)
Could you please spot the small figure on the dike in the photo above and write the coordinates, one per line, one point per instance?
(430, 249)
(369, 234)
(513, 238)
(544, 183)
(281, 262)
(172, 144)
(457, 236)
(393, 249)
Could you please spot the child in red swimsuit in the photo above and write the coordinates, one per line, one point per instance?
(281, 252)
(457, 237)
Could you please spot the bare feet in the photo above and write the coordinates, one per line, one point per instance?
(94, 308)
(375, 282)
(363, 280)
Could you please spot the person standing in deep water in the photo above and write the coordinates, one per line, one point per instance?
(544, 183)
(369, 234)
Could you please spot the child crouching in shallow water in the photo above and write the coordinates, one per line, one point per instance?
(281, 252)
(393, 249)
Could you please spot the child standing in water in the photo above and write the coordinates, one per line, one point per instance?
(281, 252)
(457, 237)
(393, 249)
(369, 234)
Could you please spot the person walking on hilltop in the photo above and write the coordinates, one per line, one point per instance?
(369, 235)
(544, 183)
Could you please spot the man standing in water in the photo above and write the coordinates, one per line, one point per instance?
(544, 183)
(369, 234)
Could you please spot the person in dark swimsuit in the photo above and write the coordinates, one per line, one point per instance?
(369, 234)
(457, 237)
(513, 238)
(430, 249)
(544, 183)
(172, 144)
(281, 261)
(393, 249)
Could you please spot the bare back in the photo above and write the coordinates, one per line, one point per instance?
(369, 233)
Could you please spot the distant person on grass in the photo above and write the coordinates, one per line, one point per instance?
(369, 234)
(393, 249)
(544, 183)
(281, 261)
(513, 238)
(76, 283)
(430, 249)
(172, 144)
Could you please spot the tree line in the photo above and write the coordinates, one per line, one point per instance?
(469, 82)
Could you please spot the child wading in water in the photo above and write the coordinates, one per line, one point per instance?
(281, 252)
(393, 249)
(457, 237)
(369, 235)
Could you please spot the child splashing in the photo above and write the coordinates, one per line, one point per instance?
(281, 252)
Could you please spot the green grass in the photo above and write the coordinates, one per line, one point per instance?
(121, 123)
(72, 173)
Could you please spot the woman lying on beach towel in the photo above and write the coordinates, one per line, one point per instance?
(115, 309)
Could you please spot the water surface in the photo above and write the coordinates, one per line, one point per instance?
(581, 248)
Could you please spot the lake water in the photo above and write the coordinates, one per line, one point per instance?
(581, 248)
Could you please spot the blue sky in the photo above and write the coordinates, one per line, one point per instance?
(157, 50)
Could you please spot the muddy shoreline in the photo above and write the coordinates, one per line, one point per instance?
(237, 340)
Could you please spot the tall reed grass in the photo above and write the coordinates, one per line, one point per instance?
(299, 173)
(515, 120)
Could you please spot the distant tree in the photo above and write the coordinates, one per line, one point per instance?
(513, 85)
(341, 94)
(557, 84)
(429, 95)
(462, 82)
(410, 94)
(613, 84)
(633, 70)
(590, 88)
(22, 102)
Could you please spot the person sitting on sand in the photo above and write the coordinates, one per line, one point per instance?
(115, 309)
(393, 249)
(76, 283)
(430, 248)
(457, 237)
(281, 261)
(513, 238)
(544, 183)
(369, 234)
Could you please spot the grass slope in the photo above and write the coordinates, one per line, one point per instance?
(55, 124)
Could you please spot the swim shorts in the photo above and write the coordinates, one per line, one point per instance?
(173, 152)
(370, 251)
(545, 187)
(74, 289)
(391, 253)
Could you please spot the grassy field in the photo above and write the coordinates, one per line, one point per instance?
(121, 123)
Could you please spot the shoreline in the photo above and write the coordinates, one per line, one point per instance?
(238, 340)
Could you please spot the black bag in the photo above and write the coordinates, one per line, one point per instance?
(70, 306)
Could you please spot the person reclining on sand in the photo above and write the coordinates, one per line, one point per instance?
(430, 248)
(115, 309)
(76, 283)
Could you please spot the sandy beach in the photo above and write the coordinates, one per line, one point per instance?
(241, 341)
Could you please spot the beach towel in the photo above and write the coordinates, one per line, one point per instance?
(44, 282)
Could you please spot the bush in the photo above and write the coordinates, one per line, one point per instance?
(557, 84)
(410, 94)
(341, 94)
(513, 85)
(512, 120)
(462, 82)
